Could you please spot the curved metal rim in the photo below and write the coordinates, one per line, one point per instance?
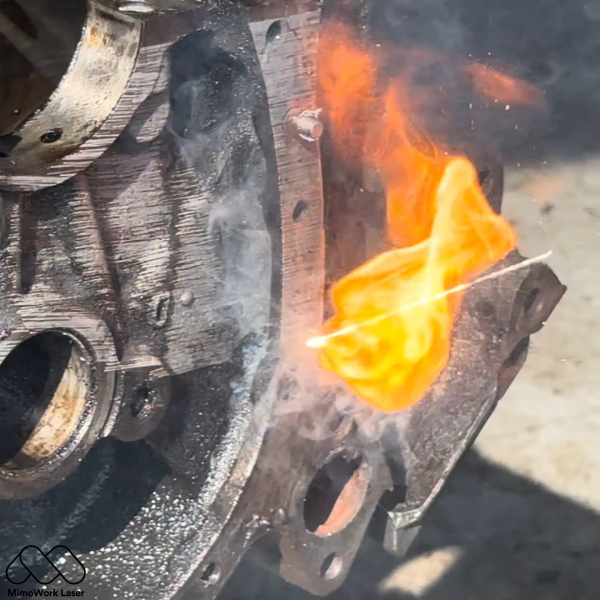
(22, 483)
(77, 124)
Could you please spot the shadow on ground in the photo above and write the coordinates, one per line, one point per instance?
(516, 541)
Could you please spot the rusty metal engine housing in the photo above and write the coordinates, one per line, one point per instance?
(170, 224)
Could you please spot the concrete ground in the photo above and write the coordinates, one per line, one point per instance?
(519, 519)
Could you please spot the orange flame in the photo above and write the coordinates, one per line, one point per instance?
(390, 335)
(501, 87)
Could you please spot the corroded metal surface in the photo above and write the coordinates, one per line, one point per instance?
(169, 219)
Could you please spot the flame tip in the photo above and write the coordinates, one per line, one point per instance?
(389, 338)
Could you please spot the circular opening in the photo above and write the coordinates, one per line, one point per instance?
(335, 496)
(531, 300)
(300, 210)
(331, 567)
(211, 574)
(51, 136)
(273, 32)
(44, 385)
(34, 58)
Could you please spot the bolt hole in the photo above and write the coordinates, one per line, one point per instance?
(300, 210)
(143, 402)
(273, 32)
(52, 136)
(331, 567)
(334, 496)
(531, 300)
(211, 574)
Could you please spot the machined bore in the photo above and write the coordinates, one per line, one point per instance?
(45, 383)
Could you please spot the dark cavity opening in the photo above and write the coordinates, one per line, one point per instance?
(211, 574)
(300, 210)
(273, 32)
(44, 379)
(334, 496)
(143, 402)
(34, 60)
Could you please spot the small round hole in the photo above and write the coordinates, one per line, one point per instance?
(331, 567)
(300, 210)
(273, 32)
(211, 574)
(52, 136)
(531, 300)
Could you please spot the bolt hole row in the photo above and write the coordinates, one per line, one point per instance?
(274, 32)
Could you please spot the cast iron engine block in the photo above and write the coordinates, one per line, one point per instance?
(170, 225)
